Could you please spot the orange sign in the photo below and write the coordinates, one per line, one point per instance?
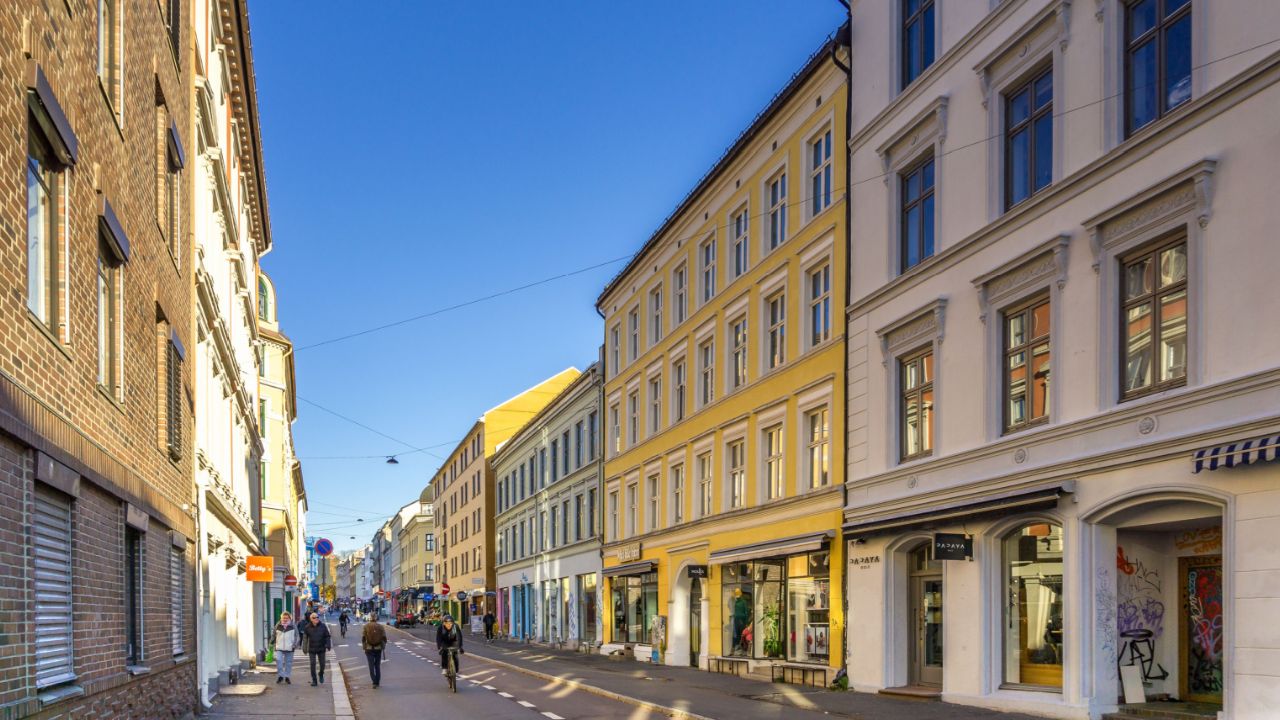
(260, 568)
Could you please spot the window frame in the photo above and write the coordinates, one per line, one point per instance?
(655, 404)
(735, 473)
(775, 211)
(1034, 115)
(653, 486)
(707, 269)
(111, 77)
(1157, 35)
(905, 206)
(739, 356)
(109, 280)
(706, 372)
(822, 442)
(676, 480)
(1153, 250)
(655, 315)
(821, 170)
(679, 388)
(51, 180)
(914, 357)
(633, 417)
(704, 504)
(738, 226)
(772, 460)
(633, 334)
(1027, 309)
(679, 294)
(819, 304)
(775, 349)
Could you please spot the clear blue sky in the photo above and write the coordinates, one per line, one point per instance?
(422, 154)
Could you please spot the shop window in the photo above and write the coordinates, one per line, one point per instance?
(1033, 607)
(635, 602)
(753, 601)
(809, 607)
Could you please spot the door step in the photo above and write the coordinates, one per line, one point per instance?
(920, 692)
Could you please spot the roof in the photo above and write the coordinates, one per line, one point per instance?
(590, 375)
(779, 101)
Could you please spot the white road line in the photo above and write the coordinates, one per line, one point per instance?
(505, 694)
(525, 703)
(553, 716)
(490, 687)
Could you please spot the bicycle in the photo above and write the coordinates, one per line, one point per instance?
(343, 628)
(451, 667)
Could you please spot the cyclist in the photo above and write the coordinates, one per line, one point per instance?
(449, 638)
(343, 620)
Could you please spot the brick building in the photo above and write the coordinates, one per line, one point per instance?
(96, 559)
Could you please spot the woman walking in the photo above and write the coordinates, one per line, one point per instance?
(286, 643)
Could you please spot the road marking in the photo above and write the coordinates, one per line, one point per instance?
(553, 716)
(490, 687)
(505, 694)
(525, 703)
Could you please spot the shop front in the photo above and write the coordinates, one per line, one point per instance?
(633, 598)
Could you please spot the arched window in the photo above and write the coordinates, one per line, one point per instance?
(264, 300)
(1033, 606)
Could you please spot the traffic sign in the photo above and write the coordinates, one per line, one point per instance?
(444, 588)
(324, 547)
(462, 594)
(290, 581)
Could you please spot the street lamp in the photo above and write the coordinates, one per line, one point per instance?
(392, 460)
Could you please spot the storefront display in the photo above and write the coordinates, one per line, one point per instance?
(778, 608)
(1033, 622)
(587, 607)
(737, 589)
(808, 607)
(635, 602)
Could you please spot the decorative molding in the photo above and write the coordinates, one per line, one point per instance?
(1028, 39)
(925, 322)
(915, 130)
(1046, 260)
(1189, 190)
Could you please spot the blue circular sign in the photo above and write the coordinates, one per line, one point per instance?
(323, 547)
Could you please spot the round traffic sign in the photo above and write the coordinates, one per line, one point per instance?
(462, 594)
(323, 547)
(444, 588)
(290, 581)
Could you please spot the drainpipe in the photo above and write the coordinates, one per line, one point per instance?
(202, 562)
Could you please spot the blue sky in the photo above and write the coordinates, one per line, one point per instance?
(423, 154)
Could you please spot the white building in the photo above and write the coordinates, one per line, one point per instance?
(548, 547)
(1062, 292)
(364, 573)
(230, 231)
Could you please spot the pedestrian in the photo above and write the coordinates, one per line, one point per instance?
(489, 620)
(448, 635)
(316, 641)
(286, 641)
(374, 641)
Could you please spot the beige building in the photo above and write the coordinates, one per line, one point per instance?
(463, 487)
(1063, 386)
(414, 551)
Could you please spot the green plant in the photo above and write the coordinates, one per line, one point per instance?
(770, 620)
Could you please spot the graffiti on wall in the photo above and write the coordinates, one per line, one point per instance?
(1139, 615)
(1200, 541)
(1202, 595)
(1106, 609)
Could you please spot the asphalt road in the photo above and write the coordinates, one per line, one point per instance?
(413, 687)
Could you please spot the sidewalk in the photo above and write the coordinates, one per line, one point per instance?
(298, 701)
(694, 693)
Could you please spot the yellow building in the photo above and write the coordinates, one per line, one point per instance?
(724, 405)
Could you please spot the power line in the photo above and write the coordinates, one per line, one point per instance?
(375, 431)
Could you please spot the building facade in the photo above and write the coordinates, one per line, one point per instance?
(723, 402)
(95, 413)
(415, 552)
(464, 507)
(1057, 392)
(548, 545)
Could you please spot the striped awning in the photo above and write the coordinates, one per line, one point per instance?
(1238, 453)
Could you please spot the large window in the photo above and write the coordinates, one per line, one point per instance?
(679, 381)
(169, 182)
(1033, 607)
(133, 595)
(753, 595)
(707, 373)
(577, 446)
(635, 603)
(819, 305)
(633, 527)
(591, 437)
(679, 294)
(633, 334)
(54, 658)
(264, 300)
(111, 54)
(613, 516)
(616, 428)
(917, 38)
(774, 472)
(738, 337)
(704, 485)
(818, 435)
(677, 494)
(651, 519)
(178, 613)
(655, 315)
(916, 405)
(633, 418)
(1154, 322)
(736, 454)
(777, 215)
(173, 399)
(1028, 138)
(917, 214)
(1157, 59)
(44, 203)
(1026, 365)
(707, 266)
(591, 512)
(820, 172)
(809, 607)
(655, 405)
(741, 247)
(108, 320)
(615, 345)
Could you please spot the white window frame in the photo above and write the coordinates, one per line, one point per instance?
(679, 294)
(912, 334)
(632, 508)
(775, 330)
(819, 305)
(615, 341)
(768, 422)
(737, 332)
(775, 215)
(633, 417)
(707, 269)
(704, 501)
(655, 404)
(655, 314)
(823, 172)
(738, 224)
(653, 488)
(706, 357)
(679, 389)
(678, 482)
(735, 475)
(633, 334)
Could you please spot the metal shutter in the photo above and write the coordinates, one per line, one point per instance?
(176, 591)
(51, 531)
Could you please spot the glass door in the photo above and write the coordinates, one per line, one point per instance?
(695, 621)
(926, 617)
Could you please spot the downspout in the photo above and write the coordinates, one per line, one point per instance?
(202, 562)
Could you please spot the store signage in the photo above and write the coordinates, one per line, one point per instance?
(952, 546)
(697, 571)
(629, 552)
(864, 561)
(260, 568)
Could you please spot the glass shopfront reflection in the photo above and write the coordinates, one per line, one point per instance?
(777, 608)
(1033, 606)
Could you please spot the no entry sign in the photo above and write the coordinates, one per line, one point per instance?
(444, 588)
(323, 547)
(290, 581)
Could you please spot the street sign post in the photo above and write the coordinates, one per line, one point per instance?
(444, 588)
(324, 547)
(290, 581)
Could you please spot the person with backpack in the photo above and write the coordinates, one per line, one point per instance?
(374, 642)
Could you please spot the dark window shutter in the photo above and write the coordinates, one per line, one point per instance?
(51, 545)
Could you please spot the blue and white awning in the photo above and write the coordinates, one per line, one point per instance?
(1238, 453)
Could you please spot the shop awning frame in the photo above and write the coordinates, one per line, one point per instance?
(1247, 452)
(794, 545)
(1041, 497)
(635, 568)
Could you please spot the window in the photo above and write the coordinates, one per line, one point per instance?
(774, 472)
(133, 579)
(651, 519)
(564, 458)
(678, 382)
(577, 517)
(1154, 322)
(44, 210)
(677, 494)
(177, 597)
(1026, 365)
(614, 421)
(1028, 138)
(707, 260)
(173, 25)
(777, 343)
(633, 334)
(591, 512)
(655, 315)
(777, 215)
(577, 446)
(111, 55)
(818, 431)
(704, 485)
(633, 418)
(819, 305)
(820, 172)
(917, 38)
(264, 300)
(736, 452)
(615, 335)
(707, 373)
(591, 437)
(564, 526)
(431, 541)
(738, 333)
(917, 215)
(542, 469)
(555, 512)
(173, 399)
(655, 405)
(738, 224)
(168, 177)
(262, 417)
(1157, 59)
(917, 405)
(108, 320)
(54, 660)
(679, 294)
(1033, 584)
(555, 454)
(632, 527)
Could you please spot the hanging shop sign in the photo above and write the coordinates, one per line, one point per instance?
(697, 571)
(260, 568)
(952, 546)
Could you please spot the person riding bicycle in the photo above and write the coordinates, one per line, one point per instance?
(449, 637)
(343, 621)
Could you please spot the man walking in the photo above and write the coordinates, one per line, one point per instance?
(489, 621)
(316, 641)
(374, 642)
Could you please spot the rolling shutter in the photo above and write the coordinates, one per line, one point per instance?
(51, 531)
(176, 591)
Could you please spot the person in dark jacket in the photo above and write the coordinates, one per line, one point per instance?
(489, 620)
(316, 640)
(374, 642)
(449, 635)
